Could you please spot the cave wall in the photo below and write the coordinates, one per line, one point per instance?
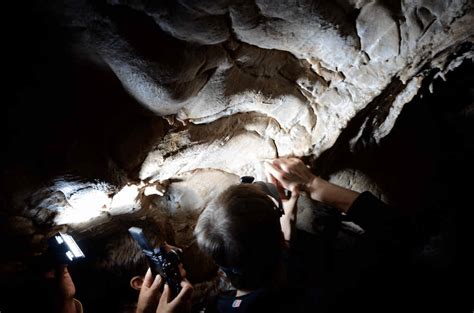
(184, 96)
(295, 73)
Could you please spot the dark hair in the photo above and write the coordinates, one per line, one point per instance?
(113, 258)
(241, 231)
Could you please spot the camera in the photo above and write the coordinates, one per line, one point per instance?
(162, 262)
(62, 249)
(270, 189)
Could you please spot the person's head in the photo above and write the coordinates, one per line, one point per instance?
(241, 231)
(116, 266)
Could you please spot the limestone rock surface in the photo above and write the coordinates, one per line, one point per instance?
(286, 76)
(231, 83)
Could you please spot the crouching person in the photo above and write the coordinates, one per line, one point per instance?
(244, 233)
(241, 231)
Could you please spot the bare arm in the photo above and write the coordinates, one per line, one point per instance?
(292, 174)
(288, 220)
(333, 195)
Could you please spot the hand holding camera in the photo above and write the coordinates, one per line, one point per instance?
(163, 261)
(151, 299)
(165, 269)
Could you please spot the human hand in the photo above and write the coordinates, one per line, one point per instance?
(289, 173)
(289, 205)
(149, 293)
(288, 220)
(292, 174)
(65, 289)
(180, 304)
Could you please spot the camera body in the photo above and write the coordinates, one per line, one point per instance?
(270, 189)
(161, 262)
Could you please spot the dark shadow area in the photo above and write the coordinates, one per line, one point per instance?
(67, 113)
(425, 166)
(63, 114)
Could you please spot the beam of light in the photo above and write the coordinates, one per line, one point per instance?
(86, 201)
(153, 190)
(126, 200)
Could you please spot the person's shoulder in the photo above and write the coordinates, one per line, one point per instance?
(274, 300)
(215, 304)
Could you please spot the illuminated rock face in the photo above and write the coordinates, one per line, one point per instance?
(260, 79)
(238, 82)
(244, 81)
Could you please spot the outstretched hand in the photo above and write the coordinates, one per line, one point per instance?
(292, 174)
(289, 173)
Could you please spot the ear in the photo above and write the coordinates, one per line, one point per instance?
(136, 282)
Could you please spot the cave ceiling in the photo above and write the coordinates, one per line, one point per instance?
(284, 76)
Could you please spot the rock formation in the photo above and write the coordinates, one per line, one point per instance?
(180, 98)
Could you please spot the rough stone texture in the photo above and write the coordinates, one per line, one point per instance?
(185, 96)
(306, 67)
